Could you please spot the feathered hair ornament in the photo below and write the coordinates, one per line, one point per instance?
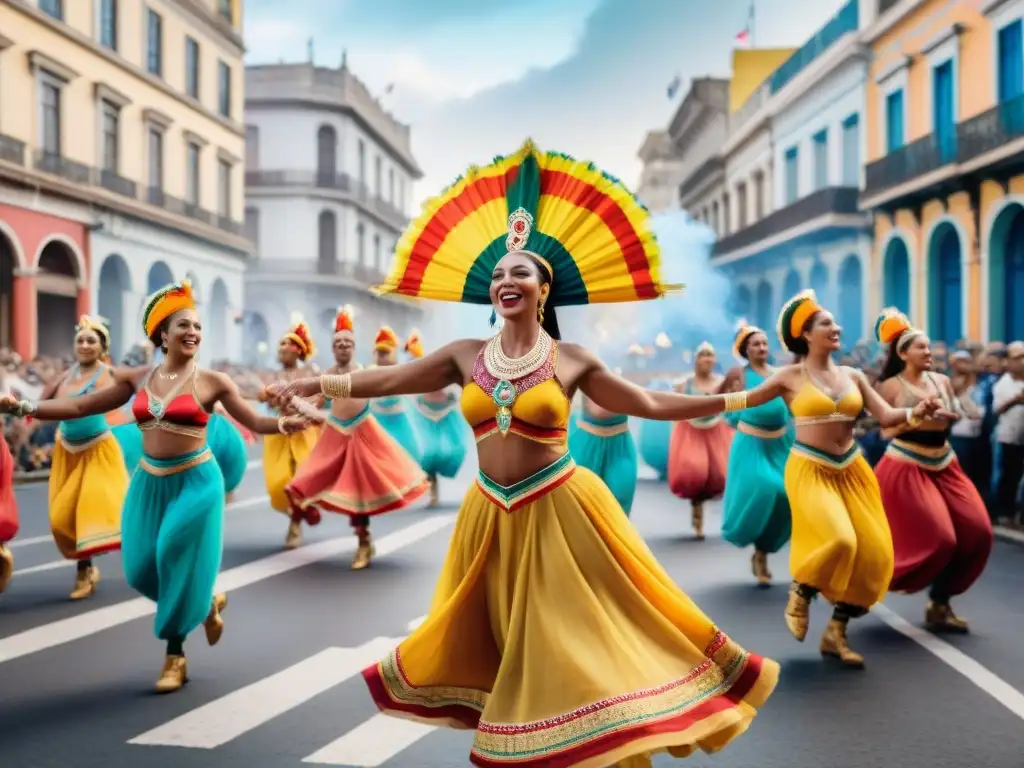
(580, 224)
(386, 341)
(96, 324)
(744, 331)
(164, 303)
(343, 320)
(893, 327)
(414, 344)
(794, 315)
(704, 348)
(299, 336)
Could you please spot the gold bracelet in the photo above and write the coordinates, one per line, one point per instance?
(280, 425)
(336, 386)
(736, 401)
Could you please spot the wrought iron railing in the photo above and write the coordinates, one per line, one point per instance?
(843, 22)
(842, 200)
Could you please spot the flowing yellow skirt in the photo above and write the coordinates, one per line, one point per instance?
(282, 455)
(557, 636)
(841, 542)
(88, 483)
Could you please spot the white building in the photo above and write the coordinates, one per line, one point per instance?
(698, 131)
(329, 177)
(120, 167)
(793, 172)
(661, 173)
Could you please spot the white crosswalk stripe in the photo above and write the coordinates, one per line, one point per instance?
(370, 744)
(225, 719)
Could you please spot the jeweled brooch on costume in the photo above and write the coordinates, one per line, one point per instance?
(520, 225)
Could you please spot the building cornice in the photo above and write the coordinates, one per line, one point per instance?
(23, 7)
(104, 92)
(889, 19)
(282, 102)
(212, 22)
(37, 60)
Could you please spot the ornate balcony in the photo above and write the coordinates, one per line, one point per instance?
(831, 200)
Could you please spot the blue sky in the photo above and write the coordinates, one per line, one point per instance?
(476, 77)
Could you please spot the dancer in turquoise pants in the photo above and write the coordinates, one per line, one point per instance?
(172, 519)
(755, 509)
(174, 516)
(393, 412)
(443, 433)
(601, 441)
(655, 437)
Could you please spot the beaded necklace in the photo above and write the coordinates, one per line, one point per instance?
(505, 378)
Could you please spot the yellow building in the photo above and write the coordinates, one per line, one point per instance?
(945, 173)
(121, 146)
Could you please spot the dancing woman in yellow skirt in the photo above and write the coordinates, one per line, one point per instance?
(553, 633)
(88, 477)
(841, 546)
(282, 454)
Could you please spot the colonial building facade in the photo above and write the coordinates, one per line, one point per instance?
(121, 147)
(329, 180)
(793, 166)
(945, 177)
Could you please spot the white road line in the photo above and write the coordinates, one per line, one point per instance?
(372, 743)
(987, 681)
(89, 623)
(50, 566)
(53, 564)
(26, 542)
(225, 719)
(1010, 533)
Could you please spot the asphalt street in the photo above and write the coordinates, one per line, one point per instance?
(283, 690)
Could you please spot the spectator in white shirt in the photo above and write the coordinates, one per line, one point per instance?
(1008, 406)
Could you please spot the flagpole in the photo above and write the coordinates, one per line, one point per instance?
(750, 22)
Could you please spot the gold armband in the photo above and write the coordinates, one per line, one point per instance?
(336, 386)
(735, 401)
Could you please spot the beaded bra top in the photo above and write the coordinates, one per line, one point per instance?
(533, 407)
(813, 405)
(181, 414)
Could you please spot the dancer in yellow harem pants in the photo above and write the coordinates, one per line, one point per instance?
(841, 546)
(283, 454)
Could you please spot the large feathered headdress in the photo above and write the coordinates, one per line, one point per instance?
(583, 225)
(893, 327)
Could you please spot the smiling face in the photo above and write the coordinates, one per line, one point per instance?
(88, 346)
(918, 353)
(516, 287)
(824, 333)
(757, 348)
(343, 346)
(287, 353)
(183, 334)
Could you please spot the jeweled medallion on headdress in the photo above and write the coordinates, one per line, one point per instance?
(520, 225)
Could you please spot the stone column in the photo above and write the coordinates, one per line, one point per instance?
(24, 314)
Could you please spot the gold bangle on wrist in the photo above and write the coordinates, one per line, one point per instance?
(735, 401)
(280, 425)
(336, 386)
